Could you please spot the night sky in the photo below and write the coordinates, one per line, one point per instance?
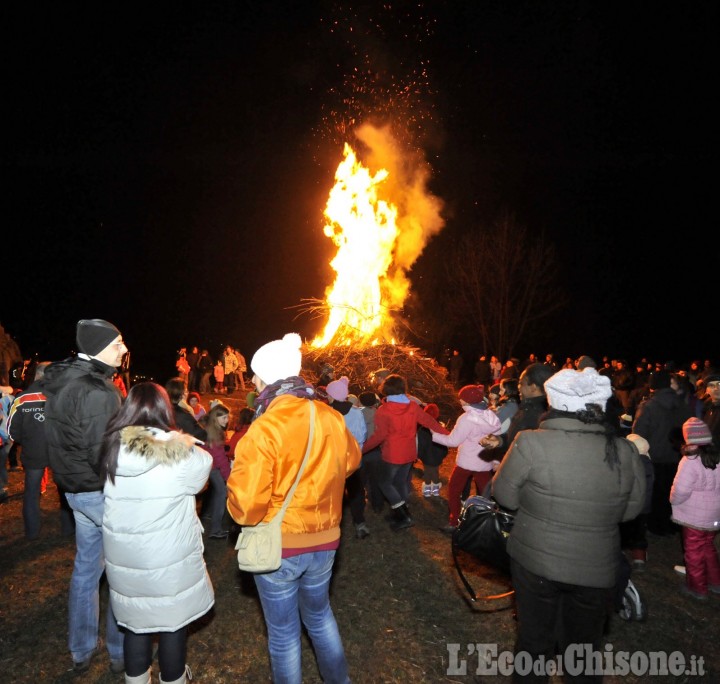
(167, 169)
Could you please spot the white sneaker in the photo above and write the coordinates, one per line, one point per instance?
(436, 488)
(427, 490)
(680, 570)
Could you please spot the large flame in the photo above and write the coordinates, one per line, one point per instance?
(380, 223)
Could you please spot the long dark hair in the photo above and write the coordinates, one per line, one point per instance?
(593, 414)
(708, 453)
(147, 404)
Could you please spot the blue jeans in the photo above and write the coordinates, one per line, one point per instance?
(84, 603)
(4, 450)
(218, 500)
(299, 589)
(395, 482)
(31, 502)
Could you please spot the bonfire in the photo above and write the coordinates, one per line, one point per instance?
(380, 216)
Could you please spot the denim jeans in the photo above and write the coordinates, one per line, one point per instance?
(84, 603)
(218, 500)
(395, 482)
(4, 451)
(31, 501)
(299, 589)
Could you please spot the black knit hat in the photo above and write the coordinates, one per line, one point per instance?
(659, 380)
(368, 399)
(94, 335)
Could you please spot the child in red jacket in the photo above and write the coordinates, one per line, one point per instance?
(396, 424)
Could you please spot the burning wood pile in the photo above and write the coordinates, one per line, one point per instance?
(366, 367)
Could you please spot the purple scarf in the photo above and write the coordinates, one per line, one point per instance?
(294, 385)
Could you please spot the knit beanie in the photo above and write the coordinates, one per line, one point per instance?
(659, 380)
(278, 359)
(570, 390)
(338, 389)
(640, 442)
(94, 335)
(695, 431)
(472, 394)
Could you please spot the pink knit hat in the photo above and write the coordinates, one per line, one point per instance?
(695, 431)
(338, 389)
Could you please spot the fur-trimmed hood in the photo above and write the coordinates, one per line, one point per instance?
(143, 448)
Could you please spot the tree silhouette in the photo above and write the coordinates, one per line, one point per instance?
(505, 282)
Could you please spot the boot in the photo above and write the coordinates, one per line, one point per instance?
(143, 678)
(185, 677)
(401, 518)
(639, 558)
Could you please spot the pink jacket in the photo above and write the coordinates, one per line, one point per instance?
(472, 426)
(220, 459)
(695, 495)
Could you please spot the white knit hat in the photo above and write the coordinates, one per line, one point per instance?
(278, 359)
(570, 390)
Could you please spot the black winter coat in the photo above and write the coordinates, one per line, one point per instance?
(659, 420)
(26, 426)
(81, 399)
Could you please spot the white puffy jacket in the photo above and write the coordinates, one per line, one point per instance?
(151, 533)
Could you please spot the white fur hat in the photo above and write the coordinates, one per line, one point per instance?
(570, 390)
(278, 359)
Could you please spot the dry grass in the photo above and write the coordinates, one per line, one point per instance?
(396, 597)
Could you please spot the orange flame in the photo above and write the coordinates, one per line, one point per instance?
(380, 224)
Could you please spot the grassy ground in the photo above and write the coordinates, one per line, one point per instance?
(396, 596)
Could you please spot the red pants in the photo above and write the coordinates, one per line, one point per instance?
(702, 566)
(458, 479)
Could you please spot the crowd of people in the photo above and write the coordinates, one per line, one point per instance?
(203, 375)
(593, 457)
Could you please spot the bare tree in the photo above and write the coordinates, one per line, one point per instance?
(505, 282)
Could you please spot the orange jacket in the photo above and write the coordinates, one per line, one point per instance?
(267, 460)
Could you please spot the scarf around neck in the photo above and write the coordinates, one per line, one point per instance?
(294, 385)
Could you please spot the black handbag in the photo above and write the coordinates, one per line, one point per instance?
(482, 531)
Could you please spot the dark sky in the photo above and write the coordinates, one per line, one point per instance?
(167, 170)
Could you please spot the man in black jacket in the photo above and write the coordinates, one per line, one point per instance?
(533, 403)
(81, 398)
(26, 427)
(659, 420)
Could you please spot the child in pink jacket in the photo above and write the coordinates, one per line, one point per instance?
(695, 499)
(476, 422)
